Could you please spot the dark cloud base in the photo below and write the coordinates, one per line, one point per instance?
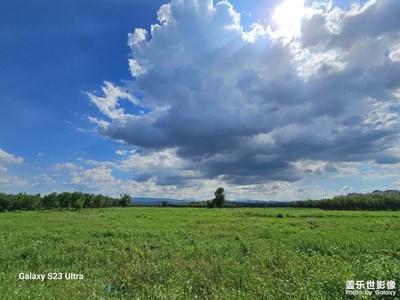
(245, 111)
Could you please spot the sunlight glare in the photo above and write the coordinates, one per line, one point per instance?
(287, 17)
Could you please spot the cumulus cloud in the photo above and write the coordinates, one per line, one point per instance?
(97, 180)
(94, 175)
(164, 167)
(8, 159)
(109, 103)
(317, 88)
(102, 179)
(7, 181)
(12, 181)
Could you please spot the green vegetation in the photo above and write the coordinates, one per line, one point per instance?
(377, 200)
(125, 200)
(210, 203)
(75, 200)
(218, 201)
(184, 253)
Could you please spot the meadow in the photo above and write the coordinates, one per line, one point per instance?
(197, 253)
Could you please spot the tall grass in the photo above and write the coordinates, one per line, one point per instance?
(153, 253)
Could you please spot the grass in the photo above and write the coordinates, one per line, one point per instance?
(182, 253)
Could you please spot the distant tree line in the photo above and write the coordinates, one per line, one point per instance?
(370, 201)
(229, 204)
(62, 201)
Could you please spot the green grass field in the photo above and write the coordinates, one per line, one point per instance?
(183, 253)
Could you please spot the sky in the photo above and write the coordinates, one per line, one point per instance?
(273, 100)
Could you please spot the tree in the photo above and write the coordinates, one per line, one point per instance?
(65, 200)
(50, 201)
(99, 201)
(79, 203)
(211, 203)
(164, 204)
(4, 202)
(219, 197)
(125, 200)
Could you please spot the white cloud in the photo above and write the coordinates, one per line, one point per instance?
(137, 36)
(68, 166)
(44, 179)
(347, 189)
(12, 181)
(121, 152)
(96, 180)
(394, 54)
(8, 159)
(150, 161)
(109, 104)
(314, 91)
(94, 175)
(7, 181)
(136, 69)
(287, 18)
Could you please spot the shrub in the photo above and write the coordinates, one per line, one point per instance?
(210, 203)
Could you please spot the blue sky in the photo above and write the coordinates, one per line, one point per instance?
(270, 99)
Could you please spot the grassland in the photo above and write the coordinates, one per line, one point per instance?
(183, 253)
